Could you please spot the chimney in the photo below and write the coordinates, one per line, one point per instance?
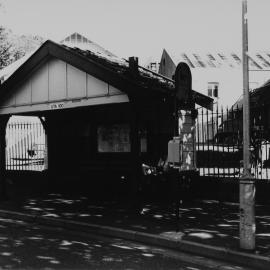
(133, 65)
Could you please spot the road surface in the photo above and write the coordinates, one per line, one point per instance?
(37, 247)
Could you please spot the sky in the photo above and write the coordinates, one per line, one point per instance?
(143, 28)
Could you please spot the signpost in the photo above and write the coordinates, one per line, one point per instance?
(182, 149)
(247, 187)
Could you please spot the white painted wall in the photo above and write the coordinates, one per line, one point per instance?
(56, 81)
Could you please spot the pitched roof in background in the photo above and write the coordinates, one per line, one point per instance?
(74, 40)
(257, 60)
(83, 43)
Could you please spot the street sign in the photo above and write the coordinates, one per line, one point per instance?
(183, 81)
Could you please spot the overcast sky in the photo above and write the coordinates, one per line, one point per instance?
(143, 27)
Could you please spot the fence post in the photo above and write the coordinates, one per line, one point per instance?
(45, 127)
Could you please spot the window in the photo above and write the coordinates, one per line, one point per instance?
(113, 138)
(153, 66)
(209, 91)
(212, 89)
(215, 92)
(73, 38)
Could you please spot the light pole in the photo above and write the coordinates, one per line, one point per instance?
(247, 187)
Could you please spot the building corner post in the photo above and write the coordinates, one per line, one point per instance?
(3, 188)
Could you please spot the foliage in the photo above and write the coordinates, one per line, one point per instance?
(5, 48)
(13, 47)
(24, 44)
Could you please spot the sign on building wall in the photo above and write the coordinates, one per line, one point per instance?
(113, 138)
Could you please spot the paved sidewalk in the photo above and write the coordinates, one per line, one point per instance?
(204, 222)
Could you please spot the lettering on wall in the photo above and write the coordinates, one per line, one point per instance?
(57, 106)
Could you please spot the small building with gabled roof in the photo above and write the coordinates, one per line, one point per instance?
(101, 114)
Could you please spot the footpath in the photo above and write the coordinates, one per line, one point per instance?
(206, 227)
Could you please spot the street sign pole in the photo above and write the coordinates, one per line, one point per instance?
(247, 186)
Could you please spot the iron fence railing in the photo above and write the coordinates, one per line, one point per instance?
(25, 146)
(219, 144)
(218, 137)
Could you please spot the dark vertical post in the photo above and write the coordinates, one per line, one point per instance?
(223, 138)
(27, 130)
(213, 142)
(233, 139)
(266, 157)
(228, 143)
(134, 136)
(218, 140)
(12, 137)
(135, 155)
(46, 149)
(45, 124)
(198, 141)
(16, 147)
(24, 156)
(3, 124)
(50, 133)
(35, 129)
(32, 144)
(21, 146)
(9, 152)
(203, 140)
(208, 150)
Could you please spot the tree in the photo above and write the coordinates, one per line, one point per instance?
(5, 48)
(14, 47)
(24, 44)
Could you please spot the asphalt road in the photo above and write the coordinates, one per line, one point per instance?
(35, 247)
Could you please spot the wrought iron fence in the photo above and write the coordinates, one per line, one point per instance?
(219, 144)
(25, 146)
(218, 136)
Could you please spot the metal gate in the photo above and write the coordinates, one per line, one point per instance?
(219, 144)
(25, 144)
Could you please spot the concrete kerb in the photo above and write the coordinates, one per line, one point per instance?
(17, 216)
(242, 258)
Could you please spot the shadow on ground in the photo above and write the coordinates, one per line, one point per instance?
(203, 221)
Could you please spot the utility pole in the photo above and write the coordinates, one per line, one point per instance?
(247, 186)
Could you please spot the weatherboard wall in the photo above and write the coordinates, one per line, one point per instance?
(58, 85)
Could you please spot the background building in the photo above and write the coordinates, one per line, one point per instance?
(219, 74)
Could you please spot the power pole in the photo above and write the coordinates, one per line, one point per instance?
(247, 186)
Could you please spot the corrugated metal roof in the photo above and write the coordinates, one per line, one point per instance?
(257, 60)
